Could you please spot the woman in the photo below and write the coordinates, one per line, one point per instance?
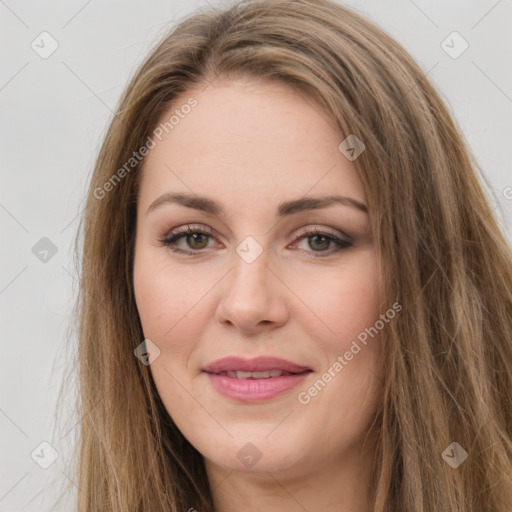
(294, 294)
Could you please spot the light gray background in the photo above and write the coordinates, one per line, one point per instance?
(54, 112)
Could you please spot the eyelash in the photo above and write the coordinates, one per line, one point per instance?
(188, 229)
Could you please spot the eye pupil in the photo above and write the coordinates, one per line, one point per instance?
(325, 245)
(195, 237)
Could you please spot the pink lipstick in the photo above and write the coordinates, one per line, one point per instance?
(254, 380)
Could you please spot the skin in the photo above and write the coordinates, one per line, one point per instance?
(250, 145)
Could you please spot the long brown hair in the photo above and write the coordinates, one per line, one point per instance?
(447, 356)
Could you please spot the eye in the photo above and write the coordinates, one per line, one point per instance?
(319, 240)
(196, 238)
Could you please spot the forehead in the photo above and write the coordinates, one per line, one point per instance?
(248, 138)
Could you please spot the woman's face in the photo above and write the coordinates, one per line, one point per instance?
(262, 274)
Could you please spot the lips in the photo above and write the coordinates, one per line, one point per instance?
(254, 380)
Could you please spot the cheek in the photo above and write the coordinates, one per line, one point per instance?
(347, 303)
(163, 297)
(341, 303)
(173, 316)
(349, 385)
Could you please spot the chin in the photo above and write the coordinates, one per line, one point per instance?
(258, 455)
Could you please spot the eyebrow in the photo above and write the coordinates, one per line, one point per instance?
(303, 204)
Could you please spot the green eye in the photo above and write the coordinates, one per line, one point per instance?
(196, 240)
(323, 245)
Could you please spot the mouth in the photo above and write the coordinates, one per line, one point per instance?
(254, 380)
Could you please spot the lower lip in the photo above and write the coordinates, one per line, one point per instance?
(255, 390)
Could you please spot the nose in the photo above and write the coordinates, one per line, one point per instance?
(253, 298)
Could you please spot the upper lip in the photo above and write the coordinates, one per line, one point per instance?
(258, 364)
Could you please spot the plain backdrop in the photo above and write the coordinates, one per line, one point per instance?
(54, 112)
